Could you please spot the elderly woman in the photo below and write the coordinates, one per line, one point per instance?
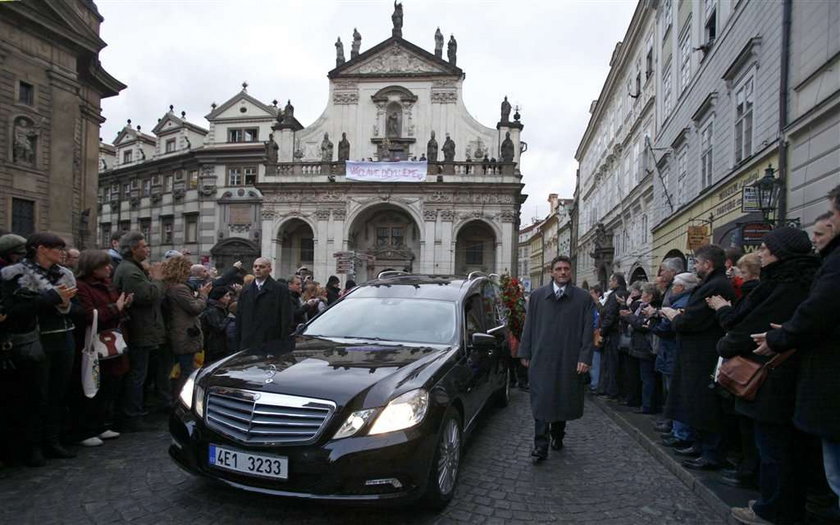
(787, 269)
(181, 311)
(681, 435)
(93, 417)
(641, 346)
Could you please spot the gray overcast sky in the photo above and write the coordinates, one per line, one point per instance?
(550, 57)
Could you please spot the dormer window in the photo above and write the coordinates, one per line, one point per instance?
(126, 157)
(243, 135)
(170, 145)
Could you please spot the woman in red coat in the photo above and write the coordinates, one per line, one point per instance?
(95, 292)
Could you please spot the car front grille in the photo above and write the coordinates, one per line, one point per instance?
(266, 418)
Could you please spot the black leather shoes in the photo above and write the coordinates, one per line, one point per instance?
(539, 454)
(673, 442)
(700, 463)
(691, 451)
(556, 444)
(55, 450)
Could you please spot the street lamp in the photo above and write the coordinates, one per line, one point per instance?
(768, 189)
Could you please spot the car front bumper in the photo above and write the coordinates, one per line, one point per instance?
(355, 469)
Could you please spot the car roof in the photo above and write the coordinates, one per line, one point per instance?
(418, 286)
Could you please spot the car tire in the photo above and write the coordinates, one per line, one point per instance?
(502, 395)
(446, 463)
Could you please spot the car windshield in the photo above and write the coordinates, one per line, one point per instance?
(387, 319)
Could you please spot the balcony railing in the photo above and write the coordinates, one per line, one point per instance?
(289, 169)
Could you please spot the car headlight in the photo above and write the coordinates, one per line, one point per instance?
(188, 390)
(402, 412)
(354, 423)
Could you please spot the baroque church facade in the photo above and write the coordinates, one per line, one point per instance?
(391, 106)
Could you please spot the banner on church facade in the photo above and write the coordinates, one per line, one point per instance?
(387, 171)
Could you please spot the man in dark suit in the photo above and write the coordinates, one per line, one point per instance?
(264, 313)
(557, 349)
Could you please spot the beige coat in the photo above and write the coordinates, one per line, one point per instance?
(183, 327)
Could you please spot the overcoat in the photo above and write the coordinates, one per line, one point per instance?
(145, 326)
(264, 317)
(556, 337)
(784, 284)
(814, 330)
(183, 326)
(691, 401)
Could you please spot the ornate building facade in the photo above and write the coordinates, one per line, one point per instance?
(51, 84)
(260, 180)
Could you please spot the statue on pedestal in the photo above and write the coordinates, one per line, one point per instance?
(343, 148)
(438, 43)
(271, 149)
(505, 110)
(326, 149)
(397, 19)
(452, 50)
(448, 149)
(392, 128)
(432, 149)
(507, 148)
(339, 52)
(357, 43)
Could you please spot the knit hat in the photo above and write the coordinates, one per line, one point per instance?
(12, 244)
(218, 292)
(786, 242)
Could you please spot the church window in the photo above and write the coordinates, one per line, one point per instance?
(170, 145)
(23, 217)
(243, 134)
(26, 93)
(126, 157)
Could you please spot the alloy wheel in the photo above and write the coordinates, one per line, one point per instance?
(449, 457)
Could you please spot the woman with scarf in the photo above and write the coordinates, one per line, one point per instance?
(36, 297)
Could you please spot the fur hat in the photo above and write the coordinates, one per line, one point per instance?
(787, 242)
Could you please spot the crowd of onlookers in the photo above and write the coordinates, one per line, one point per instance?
(662, 346)
(173, 315)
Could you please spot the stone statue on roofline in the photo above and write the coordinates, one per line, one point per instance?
(343, 148)
(448, 149)
(432, 149)
(452, 50)
(505, 110)
(397, 19)
(326, 149)
(507, 148)
(357, 44)
(339, 52)
(438, 43)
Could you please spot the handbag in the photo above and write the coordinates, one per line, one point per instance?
(90, 362)
(107, 344)
(742, 377)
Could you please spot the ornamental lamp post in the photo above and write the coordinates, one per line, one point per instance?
(768, 189)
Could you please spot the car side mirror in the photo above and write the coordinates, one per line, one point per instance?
(299, 328)
(483, 341)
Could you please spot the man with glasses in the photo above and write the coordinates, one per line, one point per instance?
(264, 313)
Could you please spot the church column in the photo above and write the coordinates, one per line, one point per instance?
(504, 251)
(446, 263)
(285, 140)
(268, 237)
(323, 257)
(427, 246)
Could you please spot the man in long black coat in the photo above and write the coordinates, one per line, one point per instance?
(557, 348)
(610, 329)
(691, 400)
(264, 313)
(815, 332)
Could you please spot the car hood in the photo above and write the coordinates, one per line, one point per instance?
(338, 370)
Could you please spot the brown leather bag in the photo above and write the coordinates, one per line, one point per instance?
(742, 377)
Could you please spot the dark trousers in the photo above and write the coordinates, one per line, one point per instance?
(545, 430)
(648, 378)
(711, 444)
(609, 368)
(55, 376)
(631, 383)
(782, 476)
(92, 416)
(517, 373)
(161, 362)
(749, 452)
(138, 359)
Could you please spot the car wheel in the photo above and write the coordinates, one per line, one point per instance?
(447, 462)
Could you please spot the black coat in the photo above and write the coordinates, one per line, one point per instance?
(264, 317)
(814, 329)
(691, 401)
(556, 337)
(214, 326)
(784, 284)
(729, 316)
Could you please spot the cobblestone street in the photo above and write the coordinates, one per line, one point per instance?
(602, 476)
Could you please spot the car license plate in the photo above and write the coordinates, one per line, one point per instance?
(276, 467)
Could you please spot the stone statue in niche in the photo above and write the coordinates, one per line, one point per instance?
(505, 110)
(343, 148)
(326, 149)
(271, 149)
(507, 148)
(26, 142)
(448, 149)
(438, 43)
(452, 50)
(397, 19)
(339, 52)
(357, 43)
(393, 125)
(432, 149)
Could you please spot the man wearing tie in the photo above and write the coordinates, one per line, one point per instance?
(264, 313)
(557, 349)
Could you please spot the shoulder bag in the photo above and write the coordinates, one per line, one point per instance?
(742, 377)
(107, 344)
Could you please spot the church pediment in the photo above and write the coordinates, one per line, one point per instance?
(395, 57)
(233, 108)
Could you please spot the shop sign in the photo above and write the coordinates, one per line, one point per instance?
(697, 236)
(749, 199)
(753, 232)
